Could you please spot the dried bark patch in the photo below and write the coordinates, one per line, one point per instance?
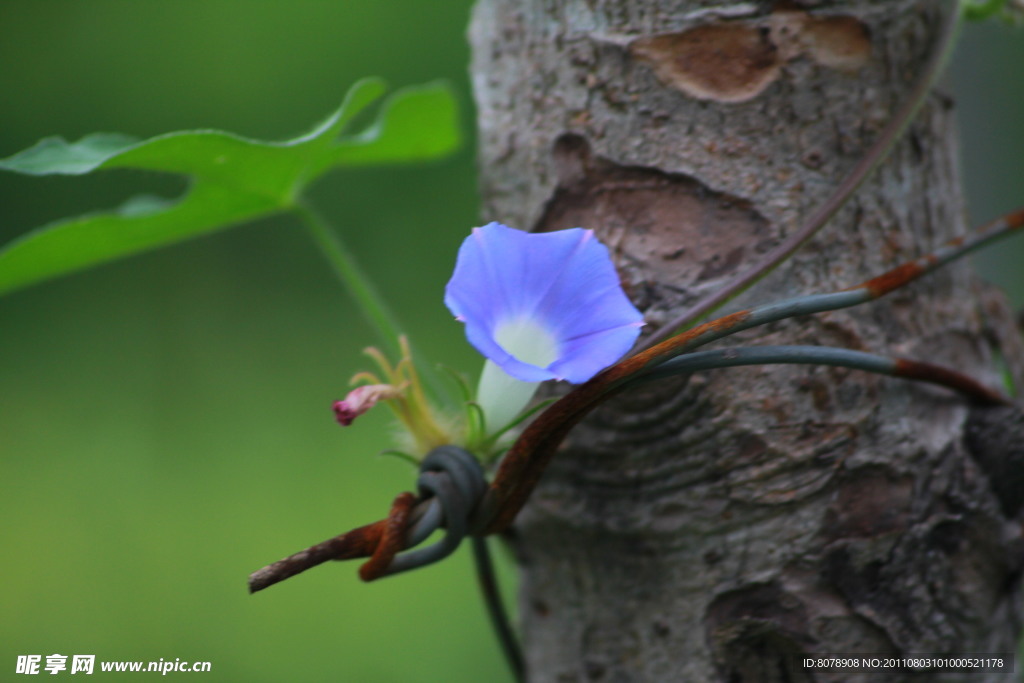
(737, 61)
(683, 233)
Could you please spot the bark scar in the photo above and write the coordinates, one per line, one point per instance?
(668, 231)
(733, 61)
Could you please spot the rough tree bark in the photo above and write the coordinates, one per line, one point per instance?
(701, 530)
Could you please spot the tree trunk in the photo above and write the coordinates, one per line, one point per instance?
(704, 530)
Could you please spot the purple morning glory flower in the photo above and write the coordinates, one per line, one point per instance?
(541, 306)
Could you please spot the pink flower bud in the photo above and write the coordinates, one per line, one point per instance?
(361, 399)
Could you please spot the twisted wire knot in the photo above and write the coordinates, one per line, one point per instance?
(451, 485)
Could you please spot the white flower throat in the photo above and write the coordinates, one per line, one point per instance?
(500, 395)
(527, 340)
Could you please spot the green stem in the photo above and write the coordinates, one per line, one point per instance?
(367, 298)
(352, 277)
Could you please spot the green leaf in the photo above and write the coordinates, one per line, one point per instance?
(233, 179)
(416, 126)
(140, 224)
(56, 156)
(979, 10)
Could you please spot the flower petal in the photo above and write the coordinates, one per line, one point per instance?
(561, 283)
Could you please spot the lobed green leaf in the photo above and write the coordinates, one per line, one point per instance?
(233, 179)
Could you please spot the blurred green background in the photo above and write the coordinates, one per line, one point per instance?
(165, 422)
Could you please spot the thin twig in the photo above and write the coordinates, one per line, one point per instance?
(361, 542)
(451, 484)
